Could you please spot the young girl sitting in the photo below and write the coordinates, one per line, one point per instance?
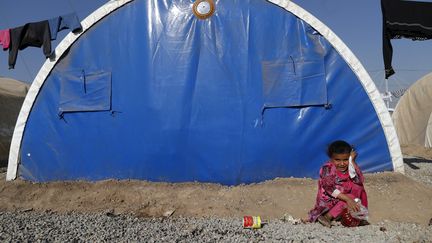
(336, 188)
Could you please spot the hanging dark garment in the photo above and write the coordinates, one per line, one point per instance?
(404, 19)
(67, 21)
(32, 34)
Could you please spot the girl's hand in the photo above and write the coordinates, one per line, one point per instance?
(353, 155)
(352, 205)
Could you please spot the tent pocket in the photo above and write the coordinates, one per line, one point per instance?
(83, 92)
(294, 83)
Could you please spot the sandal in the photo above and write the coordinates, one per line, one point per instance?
(324, 221)
(364, 223)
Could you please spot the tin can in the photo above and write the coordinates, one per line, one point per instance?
(251, 222)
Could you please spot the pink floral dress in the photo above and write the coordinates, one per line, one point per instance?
(330, 184)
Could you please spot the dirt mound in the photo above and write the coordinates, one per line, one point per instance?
(392, 197)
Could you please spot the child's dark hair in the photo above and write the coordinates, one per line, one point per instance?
(338, 147)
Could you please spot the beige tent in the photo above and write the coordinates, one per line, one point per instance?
(412, 115)
(428, 137)
(12, 93)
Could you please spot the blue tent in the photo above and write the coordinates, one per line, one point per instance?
(217, 91)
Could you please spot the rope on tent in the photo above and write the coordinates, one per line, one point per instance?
(396, 80)
(386, 94)
(399, 82)
(398, 93)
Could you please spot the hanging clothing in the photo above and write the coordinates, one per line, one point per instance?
(5, 38)
(404, 19)
(67, 21)
(333, 182)
(35, 34)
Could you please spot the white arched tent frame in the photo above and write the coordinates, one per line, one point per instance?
(334, 40)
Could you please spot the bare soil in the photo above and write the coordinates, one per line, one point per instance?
(392, 196)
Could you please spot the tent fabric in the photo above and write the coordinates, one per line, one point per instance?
(12, 93)
(12, 87)
(412, 113)
(187, 95)
(82, 91)
(428, 136)
(294, 83)
(404, 19)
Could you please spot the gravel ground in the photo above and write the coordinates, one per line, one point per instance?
(42, 227)
(419, 169)
(77, 227)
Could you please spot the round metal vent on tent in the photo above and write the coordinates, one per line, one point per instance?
(203, 8)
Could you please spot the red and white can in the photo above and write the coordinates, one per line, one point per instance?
(252, 222)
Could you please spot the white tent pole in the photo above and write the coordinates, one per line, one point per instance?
(387, 97)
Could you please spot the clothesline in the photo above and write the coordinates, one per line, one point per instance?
(23, 59)
(37, 34)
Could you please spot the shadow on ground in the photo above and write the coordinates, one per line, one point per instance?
(410, 162)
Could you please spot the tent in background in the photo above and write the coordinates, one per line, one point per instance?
(12, 93)
(428, 136)
(237, 92)
(412, 114)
